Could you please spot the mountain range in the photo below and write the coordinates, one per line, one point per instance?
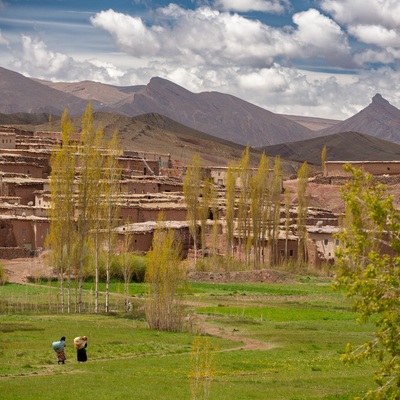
(205, 118)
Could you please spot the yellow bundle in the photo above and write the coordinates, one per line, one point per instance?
(79, 342)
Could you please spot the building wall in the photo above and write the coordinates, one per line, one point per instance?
(30, 234)
(24, 191)
(34, 171)
(138, 214)
(7, 140)
(138, 187)
(141, 242)
(7, 237)
(372, 167)
(145, 167)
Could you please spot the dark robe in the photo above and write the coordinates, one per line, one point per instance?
(81, 354)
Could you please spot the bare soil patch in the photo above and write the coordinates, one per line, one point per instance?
(19, 269)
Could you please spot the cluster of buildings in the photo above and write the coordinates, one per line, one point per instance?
(150, 183)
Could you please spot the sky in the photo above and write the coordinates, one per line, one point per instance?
(319, 58)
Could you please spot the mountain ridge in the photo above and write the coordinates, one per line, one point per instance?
(379, 119)
(343, 146)
(214, 113)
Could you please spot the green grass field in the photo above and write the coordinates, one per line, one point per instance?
(271, 341)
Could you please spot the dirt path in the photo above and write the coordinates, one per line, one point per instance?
(232, 334)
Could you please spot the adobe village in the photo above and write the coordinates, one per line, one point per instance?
(152, 183)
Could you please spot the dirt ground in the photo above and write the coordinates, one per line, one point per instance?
(19, 269)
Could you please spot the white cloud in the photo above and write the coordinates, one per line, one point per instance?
(207, 36)
(376, 34)
(372, 56)
(38, 61)
(128, 32)
(370, 21)
(194, 36)
(368, 12)
(319, 35)
(274, 6)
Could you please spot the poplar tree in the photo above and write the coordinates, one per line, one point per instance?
(287, 222)
(191, 191)
(97, 210)
(259, 187)
(230, 195)
(61, 235)
(302, 209)
(323, 158)
(276, 189)
(127, 265)
(244, 226)
(88, 191)
(215, 216)
(204, 210)
(166, 280)
(110, 189)
(369, 270)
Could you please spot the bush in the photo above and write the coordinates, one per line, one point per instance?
(136, 264)
(219, 263)
(3, 276)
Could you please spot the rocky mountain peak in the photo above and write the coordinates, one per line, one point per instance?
(378, 99)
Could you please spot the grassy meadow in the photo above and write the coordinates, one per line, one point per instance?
(269, 341)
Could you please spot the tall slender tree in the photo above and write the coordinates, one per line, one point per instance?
(191, 190)
(204, 210)
(244, 218)
(302, 210)
(287, 222)
(323, 158)
(88, 190)
(110, 191)
(166, 280)
(259, 187)
(276, 190)
(61, 235)
(230, 194)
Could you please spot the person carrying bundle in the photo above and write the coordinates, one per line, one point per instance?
(80, 343)
(58, 347)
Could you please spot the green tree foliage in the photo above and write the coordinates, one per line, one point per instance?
(258, 195)
(3, 275)
(110, 189)
(61, 213)
(276, 190)
(230, 195)
(244, 205)
(204, 210)
(166, 281)
(369, 270)
(323, 158)
(191, 191)
(89, 215)
(202, 372)
(287, 221)
(302, 209)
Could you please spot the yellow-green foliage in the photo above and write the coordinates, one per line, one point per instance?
(3, 275)
(368, 261)
(166, 278)
(203, 369)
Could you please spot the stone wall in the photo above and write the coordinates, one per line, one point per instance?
(9, 253)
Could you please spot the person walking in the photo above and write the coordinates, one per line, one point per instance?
(80, 344)
(58, 347)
